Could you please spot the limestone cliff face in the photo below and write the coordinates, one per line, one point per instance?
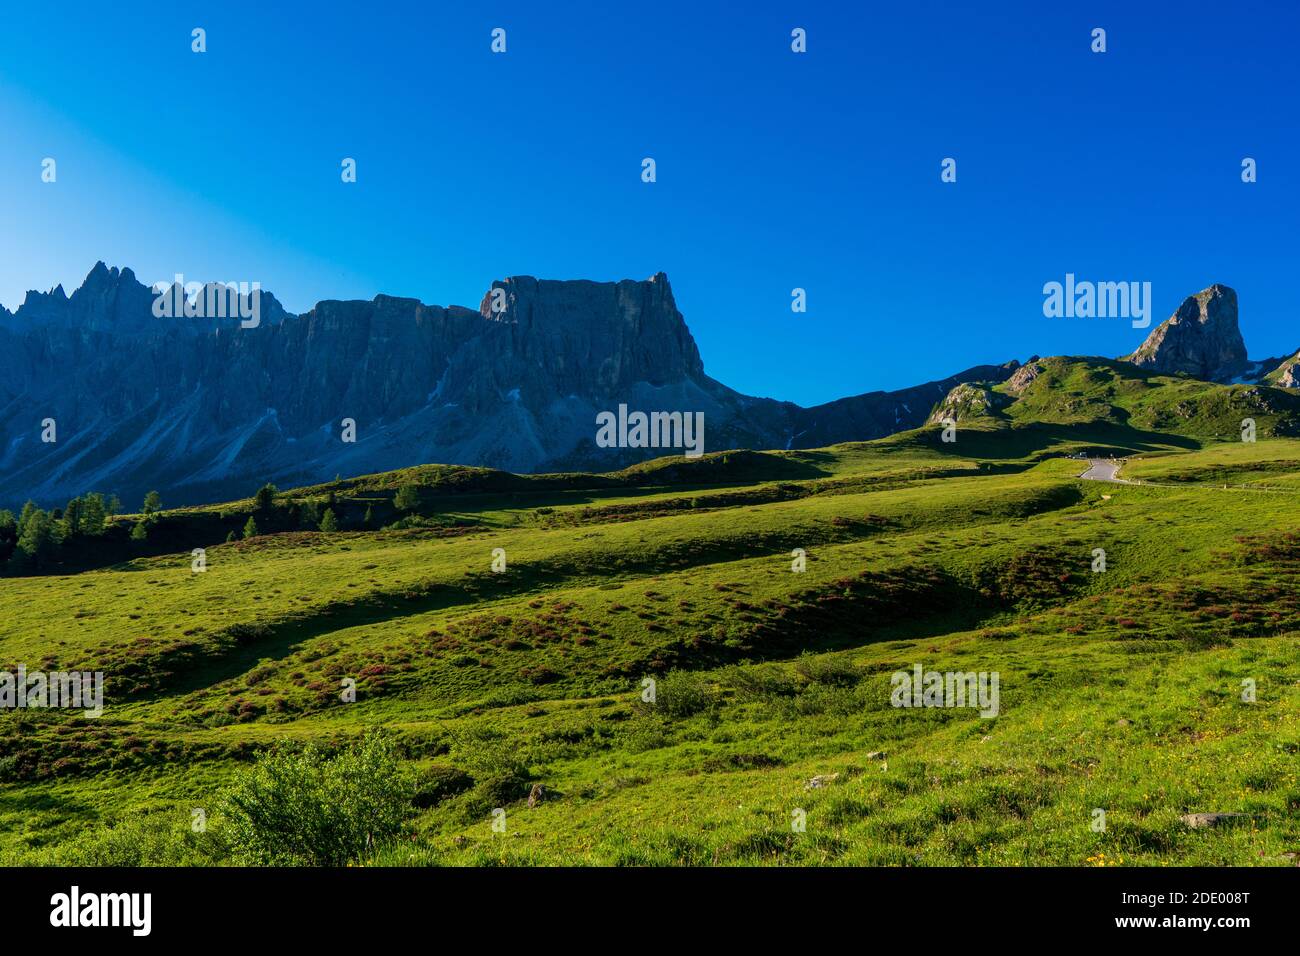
(204, 409)
(588, 338)
(1200, 339)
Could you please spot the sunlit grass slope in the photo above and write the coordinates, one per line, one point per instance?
(1121, 690)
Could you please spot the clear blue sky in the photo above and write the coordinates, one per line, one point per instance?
(775, 170)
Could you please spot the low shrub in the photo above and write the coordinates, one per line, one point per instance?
(829, 671)
(682, 694)
(307, 808)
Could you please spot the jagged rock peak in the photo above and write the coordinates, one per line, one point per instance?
(1201, 339)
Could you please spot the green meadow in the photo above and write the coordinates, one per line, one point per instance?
(502, 636)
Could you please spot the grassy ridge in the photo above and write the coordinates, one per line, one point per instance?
(1097, 392)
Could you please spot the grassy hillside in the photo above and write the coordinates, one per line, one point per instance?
(1120, 690)
(1072, 391)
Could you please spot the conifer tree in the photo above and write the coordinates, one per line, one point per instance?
(265, 497)
(93, 514)
(408, 499)
(38, 540)
(73, 517)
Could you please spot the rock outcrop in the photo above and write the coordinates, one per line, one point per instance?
(1024, 377)
(1200, 339)
(968, 401)
(1287, 373)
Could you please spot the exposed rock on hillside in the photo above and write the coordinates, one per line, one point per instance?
(1023, 377)
(968, 401)
(1287, 374)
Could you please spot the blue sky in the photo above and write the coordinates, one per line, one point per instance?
(775, 170)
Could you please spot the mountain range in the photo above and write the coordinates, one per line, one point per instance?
(204, 409)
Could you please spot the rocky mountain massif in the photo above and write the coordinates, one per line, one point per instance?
(205, 409)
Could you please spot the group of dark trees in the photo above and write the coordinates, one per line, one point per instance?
(38, 540)
(298, 514)
(35, 539)
(314, 514)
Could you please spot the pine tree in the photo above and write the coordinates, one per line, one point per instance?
(265, 497)
(328, 522)
(408, 499)
(93, 514)
(309, 514)
(250, 529)
(25, 516)
(72, 517)
(231, 537)
(152, 503)
(141, 531)
(38, 540)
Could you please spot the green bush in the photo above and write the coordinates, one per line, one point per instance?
(829, 671)
(683, 694)
(308, 808)
(437, 783)
(645, 732)
(497, 764)
(499, 789)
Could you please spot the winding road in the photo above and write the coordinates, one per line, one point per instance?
(1107, 469)
(1102, 469)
